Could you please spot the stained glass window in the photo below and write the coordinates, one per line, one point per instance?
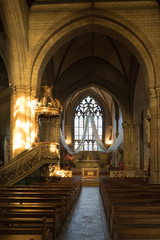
(87, 106)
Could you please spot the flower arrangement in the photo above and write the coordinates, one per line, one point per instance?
(69, 161)
(70, 157)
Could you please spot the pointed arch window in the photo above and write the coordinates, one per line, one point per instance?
(87, 106)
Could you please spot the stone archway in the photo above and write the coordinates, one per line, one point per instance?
(115, 26)
(97, 21)
(70, 112)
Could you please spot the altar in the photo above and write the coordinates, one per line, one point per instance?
(90, 172)
(87, 163)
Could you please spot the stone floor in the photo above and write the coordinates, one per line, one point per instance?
(87, 221)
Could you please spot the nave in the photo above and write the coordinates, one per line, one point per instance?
(63, 62)
(88, 221)
(64, 210)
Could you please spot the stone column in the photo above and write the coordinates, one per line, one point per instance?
(127, 144)
(12, 119)
(153, 137)
(19, 128)
(136, 145)
(131, 153)
(28, 111)
(20, 119)
(33, 117)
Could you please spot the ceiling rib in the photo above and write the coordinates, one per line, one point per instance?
(119, 56)
(63, 59)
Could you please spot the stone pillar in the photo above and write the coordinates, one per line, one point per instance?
(19, 128)
(127, 144)
(20, 119)
(6, 150)
(33, 117)
(153, 137)
(28, 111)
(136, 145)
(12, 118)
(131, 155)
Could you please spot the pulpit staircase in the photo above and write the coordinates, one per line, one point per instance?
(27, 162)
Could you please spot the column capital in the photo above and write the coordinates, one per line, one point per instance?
(157, 90)
(28, 90)
(137, 122)
(12, 88)
(151, 93)
(33, 92)
(21, 88)
(127, 124)
(18, 88)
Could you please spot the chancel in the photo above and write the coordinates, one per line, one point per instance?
(79, 119)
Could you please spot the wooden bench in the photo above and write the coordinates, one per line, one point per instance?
(137, 227)
(37, 210)
(120, 198)
(131, 210)
(25, 226)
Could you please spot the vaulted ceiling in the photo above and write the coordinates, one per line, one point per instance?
(92, 59)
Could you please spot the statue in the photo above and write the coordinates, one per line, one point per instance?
(147, 128)
(147, 124)
(47, 94)
(121, 164)
(54, 103)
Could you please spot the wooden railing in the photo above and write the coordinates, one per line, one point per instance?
(27, 162)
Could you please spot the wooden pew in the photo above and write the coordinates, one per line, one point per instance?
(34, 209)
(133, 210)
(31, 207)
(24, 226)
(120, 197)
(137, 227)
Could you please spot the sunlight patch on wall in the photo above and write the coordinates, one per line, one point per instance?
(24, 132)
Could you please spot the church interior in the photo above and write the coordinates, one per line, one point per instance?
(79, 119)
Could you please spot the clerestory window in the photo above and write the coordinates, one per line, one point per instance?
(87, 106)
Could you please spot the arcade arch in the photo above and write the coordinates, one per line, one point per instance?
(94, 21)
(118, 29)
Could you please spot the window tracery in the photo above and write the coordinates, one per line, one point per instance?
(88, 106)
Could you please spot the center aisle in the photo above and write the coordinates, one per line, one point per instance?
(87, 222)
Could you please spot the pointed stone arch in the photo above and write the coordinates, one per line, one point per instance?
(70, 113)
(105, 22)
(96, 21)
